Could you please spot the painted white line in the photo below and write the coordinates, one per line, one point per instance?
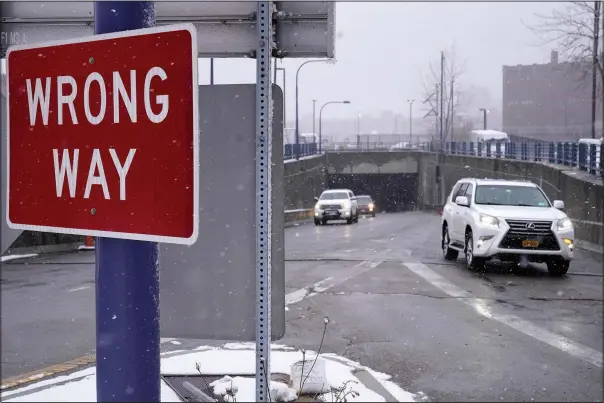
(84, 287)
(13, 257)
(299, 295)
(480, 306)
(329, 282)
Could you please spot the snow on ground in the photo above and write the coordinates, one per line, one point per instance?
(236, 359)
(13, 257)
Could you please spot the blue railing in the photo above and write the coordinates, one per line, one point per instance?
(306, 149)
(585, 157)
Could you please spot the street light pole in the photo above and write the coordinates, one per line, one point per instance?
(314, 133)
(321, 120)
(282, 69)
(358, 130)
(297, 146)
(484, 117)
(410, 121)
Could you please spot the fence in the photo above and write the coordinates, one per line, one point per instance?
(585, 157)
(289, 150)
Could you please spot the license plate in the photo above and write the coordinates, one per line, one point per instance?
(331, 212)
(529, 243)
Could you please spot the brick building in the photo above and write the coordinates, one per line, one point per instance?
(549, 102)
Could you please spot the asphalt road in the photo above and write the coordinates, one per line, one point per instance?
(393, 304)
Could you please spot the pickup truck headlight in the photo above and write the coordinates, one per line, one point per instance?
(565, 223)
(489, 221)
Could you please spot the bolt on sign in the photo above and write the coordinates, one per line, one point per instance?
(103, 136)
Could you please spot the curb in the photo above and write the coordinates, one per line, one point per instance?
(44, 373)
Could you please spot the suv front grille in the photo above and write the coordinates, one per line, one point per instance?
(519, 231)
(331, 207)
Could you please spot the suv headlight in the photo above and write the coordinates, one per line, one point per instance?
(565, 223)
(317, 206)
(488, 220)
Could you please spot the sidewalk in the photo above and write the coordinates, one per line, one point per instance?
(345, 378)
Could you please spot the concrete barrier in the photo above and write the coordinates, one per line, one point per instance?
(299, 215)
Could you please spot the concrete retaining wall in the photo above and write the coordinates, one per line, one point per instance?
(304, 180)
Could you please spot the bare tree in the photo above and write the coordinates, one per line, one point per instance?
(451, 93)
(576, 32)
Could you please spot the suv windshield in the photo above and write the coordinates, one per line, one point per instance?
(334, 196)
(510, 195)
(364, 199)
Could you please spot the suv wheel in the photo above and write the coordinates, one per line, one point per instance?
(317, 222)
(448, 253)
(472, 262)
(557, 266)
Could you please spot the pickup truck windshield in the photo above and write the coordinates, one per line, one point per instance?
(334, 196)
(506, 195)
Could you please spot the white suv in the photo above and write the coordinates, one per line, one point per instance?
(508, 220)
(336, 204)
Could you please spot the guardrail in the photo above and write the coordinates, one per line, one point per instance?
(292, 216)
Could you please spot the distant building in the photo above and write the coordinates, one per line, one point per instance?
(548, 102)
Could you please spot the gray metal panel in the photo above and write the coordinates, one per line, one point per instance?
(7, 236)
(207, 290)
(225, 29)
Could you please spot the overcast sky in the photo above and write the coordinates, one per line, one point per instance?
(383, 48)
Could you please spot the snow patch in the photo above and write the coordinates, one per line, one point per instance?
(232, 358)
(13, 257)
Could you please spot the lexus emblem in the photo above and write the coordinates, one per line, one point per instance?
(530, 225)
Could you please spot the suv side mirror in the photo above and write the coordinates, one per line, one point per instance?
(462, 201)
(316, 198)
(559, 204)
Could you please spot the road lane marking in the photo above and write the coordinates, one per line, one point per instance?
(84, 287)
(330, 282)
(479, 305)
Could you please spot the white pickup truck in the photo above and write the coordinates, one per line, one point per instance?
(508, 220)
(336, 204)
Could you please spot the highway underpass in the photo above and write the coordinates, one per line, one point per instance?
(394, 304)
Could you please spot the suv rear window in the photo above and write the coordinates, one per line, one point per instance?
(334, 196)
(510, 195)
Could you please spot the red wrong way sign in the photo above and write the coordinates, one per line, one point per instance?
(103, 136)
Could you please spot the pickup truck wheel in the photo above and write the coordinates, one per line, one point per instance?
(349, 221)
(557, 266)
(472, 262)
(448, 253)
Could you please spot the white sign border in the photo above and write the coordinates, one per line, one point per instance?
(195, 91)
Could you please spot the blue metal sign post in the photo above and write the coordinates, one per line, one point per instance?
(127, 275)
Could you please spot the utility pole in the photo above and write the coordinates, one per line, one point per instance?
(442, 86)
(314, 133)
(451, 120)
(595, 56)
(436, 114)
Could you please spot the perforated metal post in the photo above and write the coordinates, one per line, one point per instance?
(264, 118)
